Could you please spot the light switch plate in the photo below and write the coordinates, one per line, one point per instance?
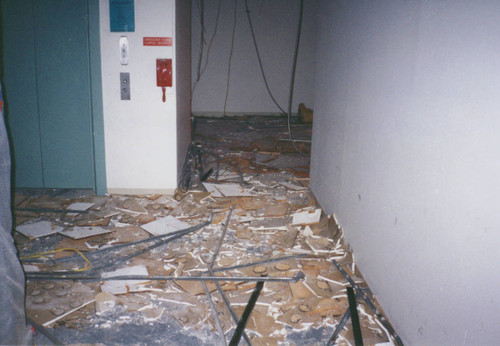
(125, 85)
(124, 50)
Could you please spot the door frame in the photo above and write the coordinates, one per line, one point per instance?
(96, 97)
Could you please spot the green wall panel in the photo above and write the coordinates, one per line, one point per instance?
(20, 94)
(62, 59)
(53, 106)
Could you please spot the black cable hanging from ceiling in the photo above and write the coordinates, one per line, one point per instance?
(292, 81)
(259, 58)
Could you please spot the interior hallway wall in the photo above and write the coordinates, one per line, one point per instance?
(405, 153)
(140, 134)
(183, 73)
(275, 24)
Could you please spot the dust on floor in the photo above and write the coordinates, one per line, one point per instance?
(116, 269)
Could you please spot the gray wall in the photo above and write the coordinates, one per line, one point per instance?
(275, 25)
(406, 147)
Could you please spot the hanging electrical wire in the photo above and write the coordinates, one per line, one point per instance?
(260, 60)
(208, 48)
(212, 38)
(230, 55)
(202, 37)
(292, 81)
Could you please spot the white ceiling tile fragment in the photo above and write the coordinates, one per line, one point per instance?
(165, 225)
(125, 286)
(226, 190)
(38, 229)
(306, 217)
(80, 206)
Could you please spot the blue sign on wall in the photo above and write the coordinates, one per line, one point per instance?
(121, 15)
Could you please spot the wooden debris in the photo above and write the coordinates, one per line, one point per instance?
(300, 291)
(195, 287)
(145, 218)
(259, 269)
(282, 266)
(93, 221)
(295, 318)
(329, 307)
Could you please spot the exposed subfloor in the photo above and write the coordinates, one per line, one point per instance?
(255, 190)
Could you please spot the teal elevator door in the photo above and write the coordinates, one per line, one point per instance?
(47, 92)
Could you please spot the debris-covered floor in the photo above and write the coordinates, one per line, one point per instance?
(119, 269)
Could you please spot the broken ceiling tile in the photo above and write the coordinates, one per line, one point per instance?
(125, 286)
(84, 232)
(38, 229)
(269, 224)
(226, 190)
(80, 206)
(292, 186)
(306, 217)
(104, 301)
(30, 268)
(165, 225)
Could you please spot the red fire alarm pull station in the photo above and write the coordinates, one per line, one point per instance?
(163, 74)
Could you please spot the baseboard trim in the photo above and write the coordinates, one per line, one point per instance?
(124, 191)
(236, 114)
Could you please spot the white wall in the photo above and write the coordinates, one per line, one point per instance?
(405, 153)
(275, 24)
(183, 72)
(140, 134)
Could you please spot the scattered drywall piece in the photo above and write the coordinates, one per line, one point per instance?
(125, 286)
(269, 224)
(84, 232)
(104, 302)
(165, 225)
(131, 207)
(307, 232)
(30, 268)
(226, 190)
(38, 229)
(80, 206)
(306, 217)
(292, 186)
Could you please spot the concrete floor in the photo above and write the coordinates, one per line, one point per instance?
(259, 193)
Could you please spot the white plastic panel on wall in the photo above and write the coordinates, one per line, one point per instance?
(140, 133)
(405, 153)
